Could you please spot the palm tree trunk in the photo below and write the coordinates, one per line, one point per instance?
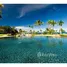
(40, 29)
(60, 29)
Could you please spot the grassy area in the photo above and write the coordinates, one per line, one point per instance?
(63, 35)
(3, 34)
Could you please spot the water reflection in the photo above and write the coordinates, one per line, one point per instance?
(53, 42)
(60, 42)
(50, 41)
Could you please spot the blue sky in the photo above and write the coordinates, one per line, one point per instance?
(27, 14)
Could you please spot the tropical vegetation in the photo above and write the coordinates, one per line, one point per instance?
(8, 30)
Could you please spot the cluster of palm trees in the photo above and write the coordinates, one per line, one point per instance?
(51, 24)
(37, 23)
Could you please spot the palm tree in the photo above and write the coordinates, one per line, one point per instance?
(40, 30)
(20, 31)
(30, 26)
(60, 23)
(30, 31)
(38, 23)
(51, 23)
(47, 30)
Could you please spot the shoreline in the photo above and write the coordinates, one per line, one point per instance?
(30, 35)
(5, 35)
(49, 35)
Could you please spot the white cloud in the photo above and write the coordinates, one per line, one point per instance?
(23, 28)
(31, 7)
(28, 29)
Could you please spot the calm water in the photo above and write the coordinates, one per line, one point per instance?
(33, 50)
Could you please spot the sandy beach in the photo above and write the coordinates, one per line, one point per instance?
(30, 35)
(4, 35)
(50, 35)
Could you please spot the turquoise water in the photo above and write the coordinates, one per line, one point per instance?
(33, 50)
